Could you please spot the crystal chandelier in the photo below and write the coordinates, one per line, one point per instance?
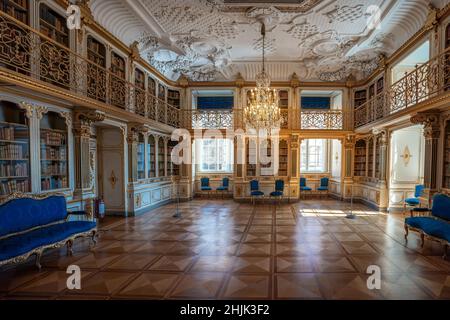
(262, 111)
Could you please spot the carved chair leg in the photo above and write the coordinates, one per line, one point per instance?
(70, 248)
(94, 238)
(38, 260)
(422, 238)
(406, 233)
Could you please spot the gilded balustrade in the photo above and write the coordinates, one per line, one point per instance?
(232, 119)
(322, 120)
(424, 82)
(33, 54)
(209, 119)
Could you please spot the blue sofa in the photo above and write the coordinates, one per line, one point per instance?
(435, 227)
(31, 224)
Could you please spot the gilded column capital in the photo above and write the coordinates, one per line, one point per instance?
(29, 109)
(84, 119)
(68, 117)
(40, 111)
(32, 110)
(134, 130)
(430, 122)
(240, 82)
(381, 135)
(295, 141)
(134, 54)
(295, 81)
(350, 141)
(183, 81)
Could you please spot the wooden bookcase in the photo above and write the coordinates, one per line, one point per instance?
(173, 98)
(283, 103)
(14, 150)
(360, 158)
(151, 155)
(173, 169)
(54, 153)
(152, 86)
(251, 157)
(141, 157)
(139, 79)
(54, 25)
(283, 96)
(372, 91)
(447, 157)
(283, 159)
(380, 85)
(370, 158)
(161, 158)
(378, 159)
(139, 95)
(17, 9)
(96, 53)
(118, 69)
(118, 66)
(360, 98)
(162, 92)
(447, 71)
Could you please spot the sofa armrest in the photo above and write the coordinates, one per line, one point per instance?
(84, 214)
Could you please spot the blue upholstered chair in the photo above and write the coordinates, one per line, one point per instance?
(323, 188)
(204, 185)
(303, 187)
(224, 187)
(415, 202)
(435, 227)
(279, 190)
(254, 190)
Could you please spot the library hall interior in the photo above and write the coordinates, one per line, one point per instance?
(224, 150)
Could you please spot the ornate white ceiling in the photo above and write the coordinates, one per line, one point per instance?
(210, 40)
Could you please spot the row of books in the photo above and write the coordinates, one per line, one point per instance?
(95, 46)
(54, 183)
(12, 186)
(53, 139)
(18, 170)
(53, 154)
(7, 134)
(13, 152)
(58, 22)
(54, 169)
(18, 14)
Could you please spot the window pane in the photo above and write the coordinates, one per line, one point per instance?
(313, 155)
(215, 155)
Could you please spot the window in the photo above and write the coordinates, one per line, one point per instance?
(314, 155)
(416, 58)
(216, 155)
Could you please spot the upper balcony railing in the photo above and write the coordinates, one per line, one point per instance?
(33, 54)
(424, 82)
(291, 119)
